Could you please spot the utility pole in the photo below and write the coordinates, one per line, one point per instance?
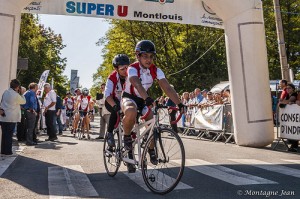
(281, 44)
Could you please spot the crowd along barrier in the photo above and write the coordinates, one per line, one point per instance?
(289, 124)
(214, 122)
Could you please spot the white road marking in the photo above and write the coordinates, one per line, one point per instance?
(137, 177)
(293, 161)
(69, 182)
(225, 174)
(270, 167)
(4, 163)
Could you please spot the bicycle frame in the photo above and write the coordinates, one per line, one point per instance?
(140, 133)
(148, 125)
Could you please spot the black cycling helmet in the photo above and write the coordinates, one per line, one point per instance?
(145, 46)
(120, 60)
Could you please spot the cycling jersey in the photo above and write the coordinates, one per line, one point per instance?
(113, 86)
(147, 77)
(69, 103)
(84, 102)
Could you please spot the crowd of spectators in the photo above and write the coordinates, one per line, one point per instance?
(20, 111)
(195, 100)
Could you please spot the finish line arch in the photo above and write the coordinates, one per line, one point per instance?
(242, 21)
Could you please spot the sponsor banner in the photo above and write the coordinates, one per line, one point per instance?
(41, 83)
(177, 11)
(289, 118)
(164, 117)
(210, 118)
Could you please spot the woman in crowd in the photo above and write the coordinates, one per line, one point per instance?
(12, 98)
(290, 98)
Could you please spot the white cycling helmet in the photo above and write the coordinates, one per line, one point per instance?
(85, 91)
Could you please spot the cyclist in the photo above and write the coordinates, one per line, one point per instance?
(69, 104)
(84, 105)
(141, 76)
(113, 90)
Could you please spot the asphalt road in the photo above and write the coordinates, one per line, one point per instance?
(71, 168)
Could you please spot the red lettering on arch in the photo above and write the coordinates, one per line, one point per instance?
(122, 11)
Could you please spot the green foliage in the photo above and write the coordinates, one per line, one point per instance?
(43, 49)
(180, 45)
(291, 27)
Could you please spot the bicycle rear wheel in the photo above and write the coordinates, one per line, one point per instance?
(111, 156)
(163, 177)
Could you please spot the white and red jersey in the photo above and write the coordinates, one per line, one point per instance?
(113, 86)
(84, 102)
(69, 103)
(147, 77)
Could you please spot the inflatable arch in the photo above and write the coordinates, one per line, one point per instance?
(242, 21)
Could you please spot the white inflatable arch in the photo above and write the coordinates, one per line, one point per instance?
(243, 23)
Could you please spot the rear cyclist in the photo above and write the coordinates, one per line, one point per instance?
(69, 104)
(113, 90)
(84, 105)
(141, 76)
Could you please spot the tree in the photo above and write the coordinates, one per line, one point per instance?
(43, 49)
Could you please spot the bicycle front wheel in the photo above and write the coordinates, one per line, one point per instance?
(166, 174)
(111, 156)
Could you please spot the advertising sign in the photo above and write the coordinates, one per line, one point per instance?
(195, 12)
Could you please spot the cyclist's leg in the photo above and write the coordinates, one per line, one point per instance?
(75, 122)
(129, 108)
(87, 125)
(111, 124)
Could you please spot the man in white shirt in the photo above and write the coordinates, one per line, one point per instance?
(104, 115)
(50, 112)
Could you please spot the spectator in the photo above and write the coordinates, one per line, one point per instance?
(30, 109)
(274, 106)
(226, 96)
(184, 101)
(50, 112)
(217, 98)
(104, 115)
(204, 94)
(58, 107)
(198, 97)
(161, 100)
(172, 113)
(290, 98)
(282, 85)
(12, 98)
(298, 98)
(21, 126)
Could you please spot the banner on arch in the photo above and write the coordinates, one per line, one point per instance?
(194, 12)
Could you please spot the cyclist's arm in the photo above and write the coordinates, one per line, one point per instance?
(171, 93)
(135, 81)
(108, 93)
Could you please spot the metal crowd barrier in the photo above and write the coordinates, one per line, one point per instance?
(218, 126)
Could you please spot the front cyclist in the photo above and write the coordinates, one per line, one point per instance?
(141, 76)
(84, 105)
(113, 90)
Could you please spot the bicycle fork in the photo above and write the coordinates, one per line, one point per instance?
(157, 137)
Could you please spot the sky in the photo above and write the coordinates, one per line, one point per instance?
(80, 34)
